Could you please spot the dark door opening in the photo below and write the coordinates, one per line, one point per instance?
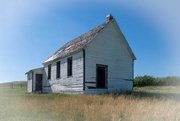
(38, 82)
(101, 76)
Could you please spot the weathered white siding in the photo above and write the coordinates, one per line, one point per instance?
(29, 82)
(65, 84)
(31, 77)
(108, 48)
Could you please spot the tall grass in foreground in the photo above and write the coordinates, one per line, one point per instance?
(138, 106)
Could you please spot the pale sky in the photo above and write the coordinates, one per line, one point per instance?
(32, 30)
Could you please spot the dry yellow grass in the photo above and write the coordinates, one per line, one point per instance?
(56, 107)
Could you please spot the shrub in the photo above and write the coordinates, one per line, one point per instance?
(143, 80)
(151, 81)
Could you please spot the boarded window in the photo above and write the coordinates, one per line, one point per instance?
(49, 71)
(58, 69)
(69, 66)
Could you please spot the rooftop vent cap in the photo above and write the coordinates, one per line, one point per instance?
(109, 17)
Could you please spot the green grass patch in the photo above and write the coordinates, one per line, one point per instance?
(159, 89)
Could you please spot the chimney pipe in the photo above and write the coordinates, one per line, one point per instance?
(109, 17)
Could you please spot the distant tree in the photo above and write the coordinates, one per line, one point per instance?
(158, 81)
(145, 80)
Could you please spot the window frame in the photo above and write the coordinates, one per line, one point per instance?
(58, 69)
(69, 66)
(49, 71)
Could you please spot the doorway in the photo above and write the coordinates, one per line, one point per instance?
(101, 76)
(38, 82)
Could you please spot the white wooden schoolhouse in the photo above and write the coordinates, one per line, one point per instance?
(99, 61)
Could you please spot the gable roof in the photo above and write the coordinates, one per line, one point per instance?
(76, 44)
(79, 43)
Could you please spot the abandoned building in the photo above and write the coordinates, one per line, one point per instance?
(99, 61)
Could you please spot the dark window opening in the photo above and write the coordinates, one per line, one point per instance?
(58, 69)
(38, 82)
(49, 71)
(69, 66)
(101, 73)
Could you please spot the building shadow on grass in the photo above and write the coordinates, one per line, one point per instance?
(155, 95)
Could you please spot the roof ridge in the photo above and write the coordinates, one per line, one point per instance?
(76, 44)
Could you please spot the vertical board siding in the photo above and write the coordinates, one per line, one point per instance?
(29, 82)
(108, 49)
(66, 84)
(29, 87)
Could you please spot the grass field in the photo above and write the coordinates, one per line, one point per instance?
(143, 104)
